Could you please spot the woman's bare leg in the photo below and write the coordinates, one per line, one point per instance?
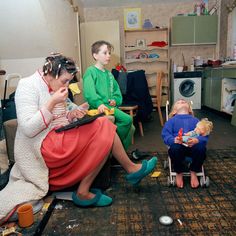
(121, 156)
(85, 184)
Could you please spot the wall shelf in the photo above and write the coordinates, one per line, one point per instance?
(151, 48)
(151, 66)
(146, 60)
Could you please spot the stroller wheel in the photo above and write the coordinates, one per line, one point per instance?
(202, 182)
(165, 165)
(168, 181)
(174, 181)
(207, 181)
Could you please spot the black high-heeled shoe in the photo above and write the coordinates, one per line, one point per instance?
(139, 155)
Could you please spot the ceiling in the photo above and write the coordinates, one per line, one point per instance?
(118, 3)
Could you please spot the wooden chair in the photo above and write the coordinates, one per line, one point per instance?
(156, 98)
(132, 110)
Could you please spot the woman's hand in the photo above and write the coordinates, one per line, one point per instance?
(75, 114)
(192, 141)
(102, 108)
(58, 97)
(112, 102)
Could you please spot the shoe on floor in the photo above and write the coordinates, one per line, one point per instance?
(138, 155)
(100, 200)
(147, 168)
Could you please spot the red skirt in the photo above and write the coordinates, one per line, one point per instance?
(73, 154)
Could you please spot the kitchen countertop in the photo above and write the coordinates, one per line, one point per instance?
(219, 72)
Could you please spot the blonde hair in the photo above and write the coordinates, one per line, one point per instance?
(208, 125)
(173, 112)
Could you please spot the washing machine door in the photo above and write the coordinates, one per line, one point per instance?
(186, 88)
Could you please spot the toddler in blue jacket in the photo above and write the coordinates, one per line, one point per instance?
(181, 117)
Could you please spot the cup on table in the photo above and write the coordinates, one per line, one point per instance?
(25, 215)
(180, 68)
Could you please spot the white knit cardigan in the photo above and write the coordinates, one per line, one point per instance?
(29, 175)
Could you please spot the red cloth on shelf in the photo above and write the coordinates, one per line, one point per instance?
(158, 44)
(73, 154)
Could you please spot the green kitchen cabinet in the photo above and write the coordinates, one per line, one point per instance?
(206, 29)
(216, 86)
(206, 88)
(182, 30)
(229, 73)
(212, 86)
(194, 30)
(206, 92)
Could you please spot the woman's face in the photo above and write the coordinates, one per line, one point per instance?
(62, 81)
(103, 56)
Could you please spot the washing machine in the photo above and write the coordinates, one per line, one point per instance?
(187, 86)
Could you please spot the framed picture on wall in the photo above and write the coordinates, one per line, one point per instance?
(132, 19)
(141, 43)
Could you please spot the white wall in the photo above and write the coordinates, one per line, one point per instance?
(31, 29)
(234, 26)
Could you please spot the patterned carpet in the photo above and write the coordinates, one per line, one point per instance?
(136, 210)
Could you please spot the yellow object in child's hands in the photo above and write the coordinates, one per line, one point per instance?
(109, 112)
(94, 112)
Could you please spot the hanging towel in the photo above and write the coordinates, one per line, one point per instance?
(74, 88)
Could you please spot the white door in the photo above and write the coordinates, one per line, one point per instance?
(99, 30)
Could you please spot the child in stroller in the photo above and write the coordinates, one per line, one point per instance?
(181, 117)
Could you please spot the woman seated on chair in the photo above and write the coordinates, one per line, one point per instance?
(45, 159)
(181, 118)
(102, 92)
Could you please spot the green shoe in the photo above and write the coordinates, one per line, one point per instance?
(146, 169)
(100, 200)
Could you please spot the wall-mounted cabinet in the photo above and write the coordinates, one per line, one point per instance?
(148, 50)
(194, 30)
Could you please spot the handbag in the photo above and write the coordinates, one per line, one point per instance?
(8, 108)
(8, 104)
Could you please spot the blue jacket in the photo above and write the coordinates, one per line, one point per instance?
(174, 124)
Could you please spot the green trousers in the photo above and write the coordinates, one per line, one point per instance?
(125, 128)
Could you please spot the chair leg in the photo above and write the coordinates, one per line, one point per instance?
(140, 128)
(132, 115)
(160, 115)
(132, 139)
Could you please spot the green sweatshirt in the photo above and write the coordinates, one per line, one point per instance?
(99, 87)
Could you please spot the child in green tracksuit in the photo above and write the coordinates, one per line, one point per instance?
(102, 92)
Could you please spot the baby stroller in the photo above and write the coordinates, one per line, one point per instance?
(171, 179)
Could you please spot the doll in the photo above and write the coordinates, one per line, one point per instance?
(203, 128)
